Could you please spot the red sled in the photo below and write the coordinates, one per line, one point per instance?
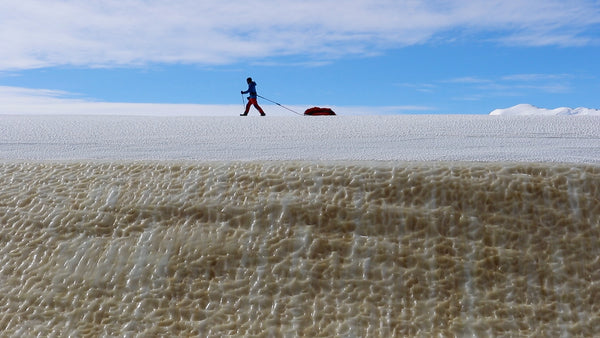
(318, 111)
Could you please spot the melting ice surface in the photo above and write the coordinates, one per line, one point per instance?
(379, 226)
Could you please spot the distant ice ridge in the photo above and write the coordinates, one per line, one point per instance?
(528, 109)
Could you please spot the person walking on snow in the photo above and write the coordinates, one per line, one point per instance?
(252, 98)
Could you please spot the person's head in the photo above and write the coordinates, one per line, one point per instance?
(248, 80)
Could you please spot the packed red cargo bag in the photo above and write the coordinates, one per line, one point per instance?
(317, 111)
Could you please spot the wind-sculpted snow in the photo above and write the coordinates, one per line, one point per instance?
(306, 248)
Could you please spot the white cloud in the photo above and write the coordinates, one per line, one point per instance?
(43, 33)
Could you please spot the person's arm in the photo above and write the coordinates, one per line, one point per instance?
(246, 91)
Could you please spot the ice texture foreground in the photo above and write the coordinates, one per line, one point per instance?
(297, 248)
(573, 139)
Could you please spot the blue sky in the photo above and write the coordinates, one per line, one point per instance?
(360, 56)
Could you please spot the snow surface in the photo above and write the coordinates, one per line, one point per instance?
(527, 109)
(341, 138)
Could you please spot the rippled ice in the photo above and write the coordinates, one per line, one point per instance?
(286, 248)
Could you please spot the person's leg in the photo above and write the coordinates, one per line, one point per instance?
(255, 103)
(247, 107)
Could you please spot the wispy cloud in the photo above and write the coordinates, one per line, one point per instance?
(27, 101)
(536, 77)
(545, 83)
(478, 88)
(420, 87)
(18, 95)
(108, 33)
(468, 80)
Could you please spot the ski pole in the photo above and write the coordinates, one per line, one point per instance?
(279, 104)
